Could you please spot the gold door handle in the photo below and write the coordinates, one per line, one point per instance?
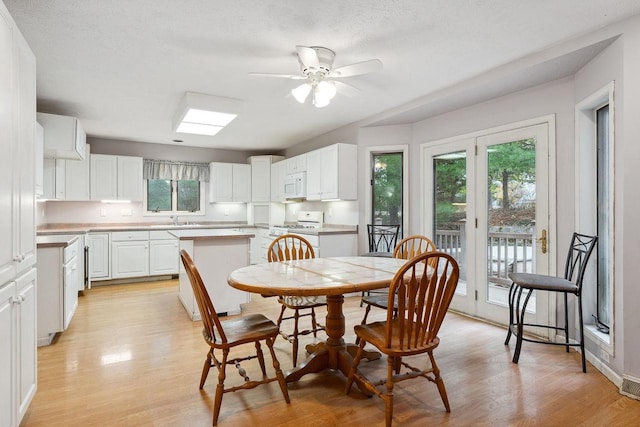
(543, 241)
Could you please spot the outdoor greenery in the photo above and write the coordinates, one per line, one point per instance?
(159, 196)
(511, 191)
(387, 188)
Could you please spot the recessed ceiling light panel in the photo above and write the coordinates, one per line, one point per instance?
(205, 114)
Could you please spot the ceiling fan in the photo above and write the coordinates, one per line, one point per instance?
(316, 67)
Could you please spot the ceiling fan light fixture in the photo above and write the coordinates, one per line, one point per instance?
(323, 93)
(301, 92)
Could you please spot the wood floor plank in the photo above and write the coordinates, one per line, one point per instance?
(131, 357)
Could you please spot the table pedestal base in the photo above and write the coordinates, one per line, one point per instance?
(333, 353)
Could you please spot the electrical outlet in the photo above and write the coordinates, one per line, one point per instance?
(226, 211)
(604, 355)
(103, 212)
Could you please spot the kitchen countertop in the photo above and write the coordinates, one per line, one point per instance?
(97, 227)
(55, 241)
(207, 234)
(54, 229)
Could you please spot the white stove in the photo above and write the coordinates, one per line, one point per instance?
(306, 219)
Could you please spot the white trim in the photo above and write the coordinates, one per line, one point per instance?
(550, 121)
(381, 149)
(585, 145)
(597, 363)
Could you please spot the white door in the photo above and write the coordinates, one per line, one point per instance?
(487, 203)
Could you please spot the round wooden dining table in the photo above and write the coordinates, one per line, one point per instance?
(331, 277)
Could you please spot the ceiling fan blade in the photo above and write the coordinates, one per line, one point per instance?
(284, 76)
(346, 89)
(308, 56)
(358, 68)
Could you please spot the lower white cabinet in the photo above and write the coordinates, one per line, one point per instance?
(99, 256)
(57, 290)
(18, 351)
(164, 257)
(129, 254)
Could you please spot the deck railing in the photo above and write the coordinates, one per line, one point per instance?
(507, 252)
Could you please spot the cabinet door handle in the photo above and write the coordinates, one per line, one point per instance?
(18, 300)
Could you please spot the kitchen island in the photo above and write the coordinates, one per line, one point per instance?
(216, 253)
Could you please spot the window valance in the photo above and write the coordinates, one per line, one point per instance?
(166, 169)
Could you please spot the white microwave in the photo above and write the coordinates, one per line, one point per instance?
(295, 186)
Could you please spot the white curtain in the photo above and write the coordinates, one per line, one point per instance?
(166, 169)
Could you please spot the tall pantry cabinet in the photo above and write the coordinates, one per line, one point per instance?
(17, 227)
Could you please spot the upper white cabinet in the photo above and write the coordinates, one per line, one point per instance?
(261, 177)
(116, 177)
(229, 182)
(130, 178)
(64, 137)
(278, 171)
(296, 164)
(332, 173)
(67, 179)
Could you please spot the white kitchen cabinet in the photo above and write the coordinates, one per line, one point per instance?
(17, 355)
(116, 177)
(99, 256)
(39, 150)
(241, 182)
(129, 254)
(261, 177)
(220, 182)
(332, 173)
(296, 164)
(229, 182)
(64, 137)
(130, 180)
(278, 171)
(17, 227)
(164, 253)
(67, 179)
(58, 290)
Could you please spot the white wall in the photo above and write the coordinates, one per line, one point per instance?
(605, 68)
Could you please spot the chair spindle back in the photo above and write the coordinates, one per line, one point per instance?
(424, 288)
(212, 328)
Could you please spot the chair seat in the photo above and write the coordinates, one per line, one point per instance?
(379, 254)
(298, 302)
(376, 334)
(246, 329)
(379, 301)
(543, 282)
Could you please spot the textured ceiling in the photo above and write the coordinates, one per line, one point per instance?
(122, 67)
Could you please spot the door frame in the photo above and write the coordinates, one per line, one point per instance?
(426, 214)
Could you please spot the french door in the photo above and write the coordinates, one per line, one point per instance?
(487, 203)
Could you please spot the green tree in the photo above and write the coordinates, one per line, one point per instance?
(387, 187)
(511, 161)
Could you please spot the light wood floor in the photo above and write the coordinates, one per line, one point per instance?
(131, 357)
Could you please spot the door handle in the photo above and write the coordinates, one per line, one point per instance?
(543, 241)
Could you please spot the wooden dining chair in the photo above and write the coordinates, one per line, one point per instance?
(578, 256)
(407, 248)
(224, 335)
(423, 288)
(289, 247)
